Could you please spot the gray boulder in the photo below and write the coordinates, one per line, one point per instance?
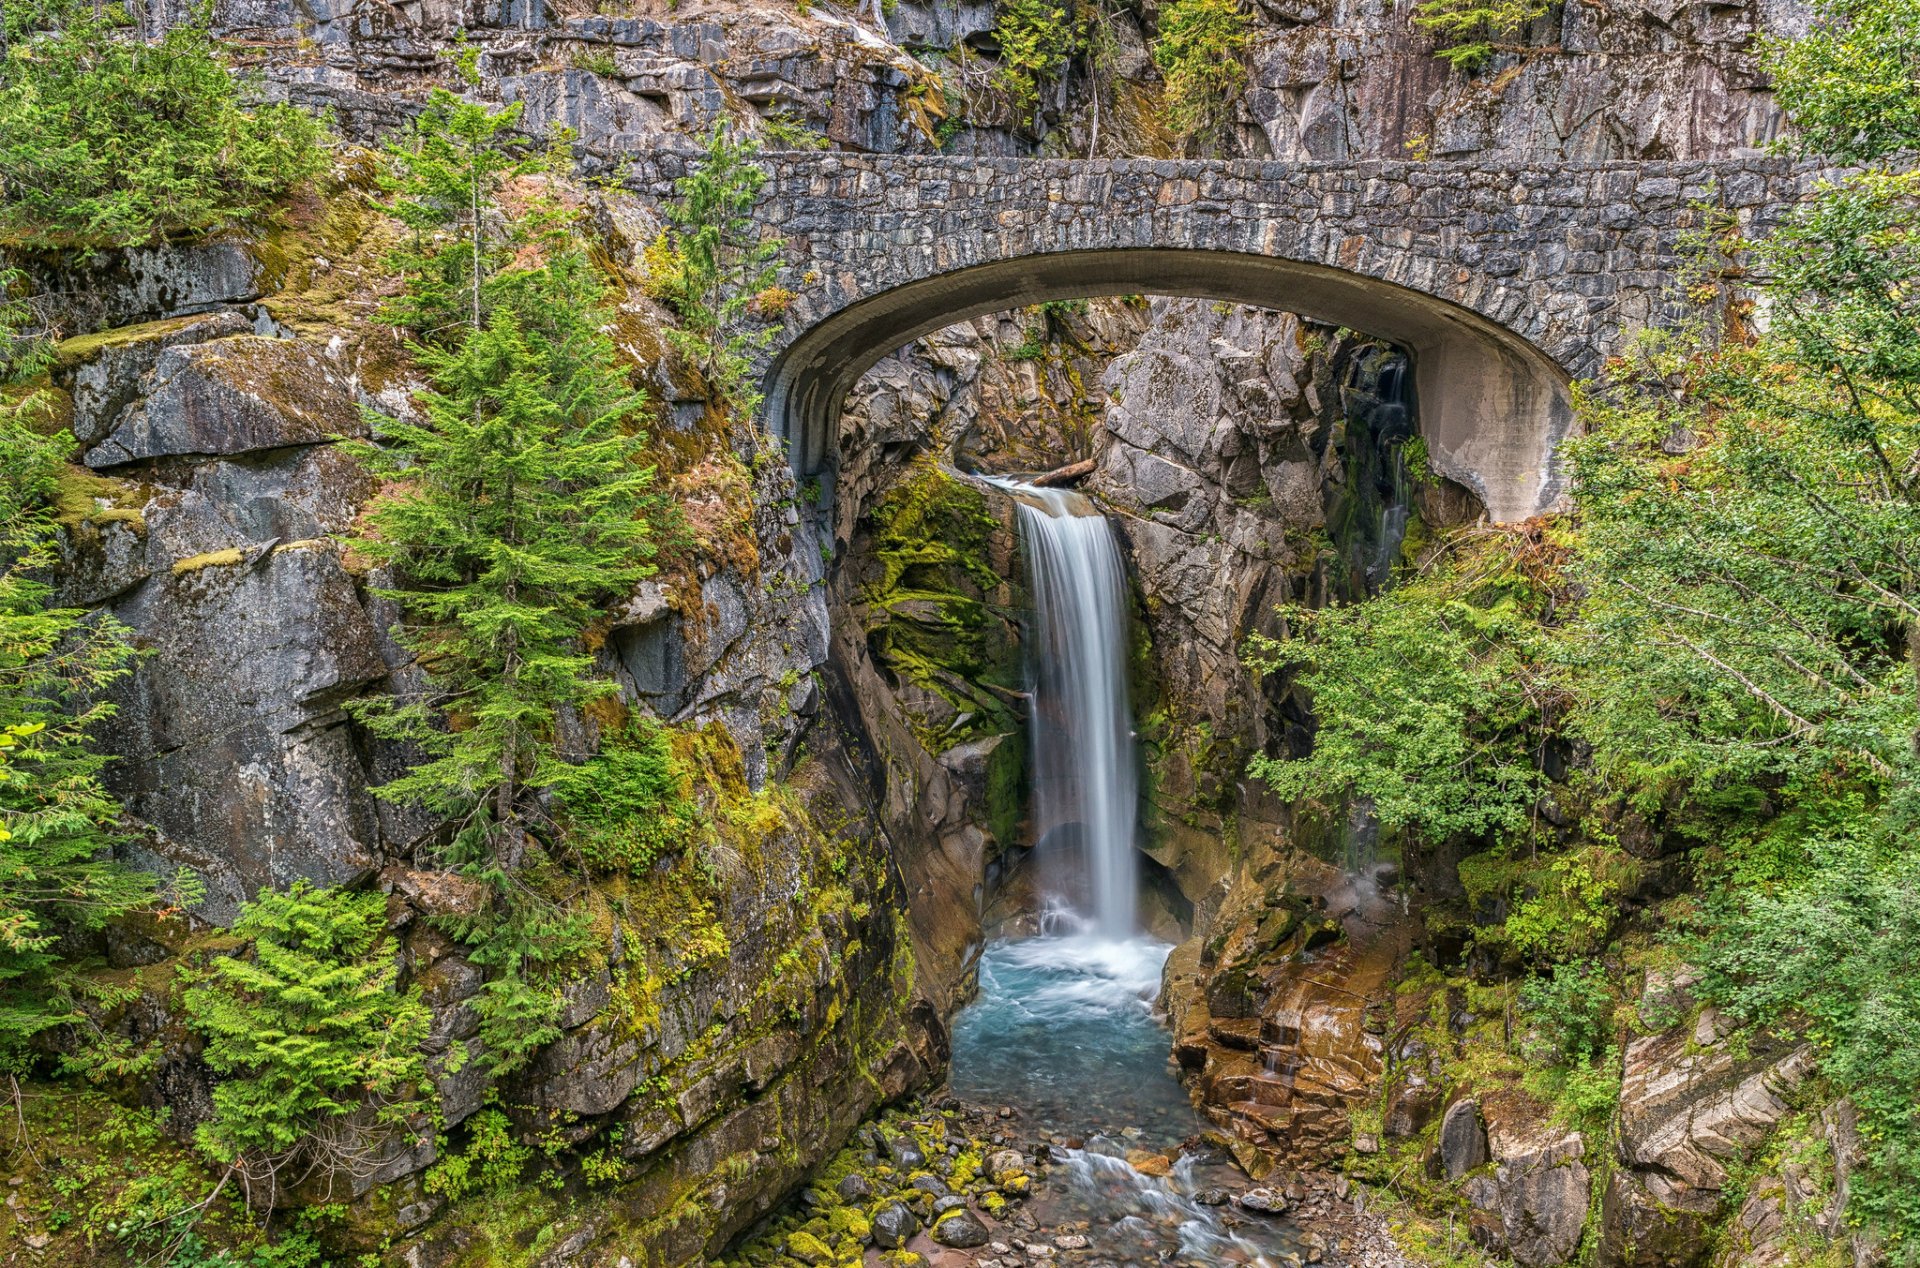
(231, 396)
(960, 1229)
(1463, 1139)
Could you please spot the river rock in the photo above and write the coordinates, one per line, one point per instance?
(1005, 1162)
(960, 1229)
(1263, 1200)
(894, 1225)
(853, 1188)
(905, 1154)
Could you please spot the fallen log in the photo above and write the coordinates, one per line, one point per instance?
(1063, 475)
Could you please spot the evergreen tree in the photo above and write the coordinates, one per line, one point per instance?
(318, 1050)
(58, 824)
(518, 509)
(443, 174)
(713, 264)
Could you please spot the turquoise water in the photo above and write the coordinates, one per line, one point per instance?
(1063, 1032)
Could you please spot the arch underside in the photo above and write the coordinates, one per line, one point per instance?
(1493, 408)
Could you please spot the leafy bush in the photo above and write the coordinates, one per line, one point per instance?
(1853, 81)
(1836, 953)
(1201, 54)
(318, 1049)
(1430, 697)
(1467, 33)
(107, 140)
(1570, 1008)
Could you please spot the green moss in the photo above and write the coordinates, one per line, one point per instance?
(227, 558)
(929, 614)
(87, 498)
(71, 353)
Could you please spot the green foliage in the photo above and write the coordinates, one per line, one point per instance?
(714, 262)
(1467, 33)
(58, 824)
(492, 1161)
(1852, 83)
(515, 512)
(630, 805)
(442, 177)
(107, 140)
(1836, 952)
(25, 348)
(1570, 1007)
(1037, 39)
(318, 1049)
(1201, 54)
(1431, 697)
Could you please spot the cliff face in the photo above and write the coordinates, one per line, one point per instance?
(1600, 79)
(725, 1030)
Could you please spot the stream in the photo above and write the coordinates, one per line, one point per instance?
(1063, 1034)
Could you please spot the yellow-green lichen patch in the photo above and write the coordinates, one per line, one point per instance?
(77, 351)
(228, 558)
(85, 497)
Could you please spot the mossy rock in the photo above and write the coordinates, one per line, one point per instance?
(809, 1249)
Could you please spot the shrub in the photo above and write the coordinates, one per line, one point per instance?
(318, 1048)
(631, 804)
(1467, 33)
(1037, 39)
(1201, 54)
(109, 141)
(1569, 1009)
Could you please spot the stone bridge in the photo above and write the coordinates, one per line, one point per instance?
(1504, 283)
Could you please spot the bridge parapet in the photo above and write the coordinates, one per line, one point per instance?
(1504, 282)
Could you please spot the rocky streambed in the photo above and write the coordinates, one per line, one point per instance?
(1063, 1138)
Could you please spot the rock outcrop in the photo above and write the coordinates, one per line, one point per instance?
(1691, 1107)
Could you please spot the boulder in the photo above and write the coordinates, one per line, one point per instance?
(105, 371)
(1463, 1139)
(230, 396)
(1690, 1107)
(894, 1226)
(1533, 1206)
(960, 1229)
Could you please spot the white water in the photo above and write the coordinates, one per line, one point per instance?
(1085, 780)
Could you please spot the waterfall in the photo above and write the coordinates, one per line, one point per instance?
(1086, 783)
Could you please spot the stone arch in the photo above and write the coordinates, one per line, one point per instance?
(1493, 408)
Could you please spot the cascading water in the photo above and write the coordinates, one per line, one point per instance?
(1063, 1028)
(1085, 782)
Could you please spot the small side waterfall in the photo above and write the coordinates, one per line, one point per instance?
(1086, 782)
